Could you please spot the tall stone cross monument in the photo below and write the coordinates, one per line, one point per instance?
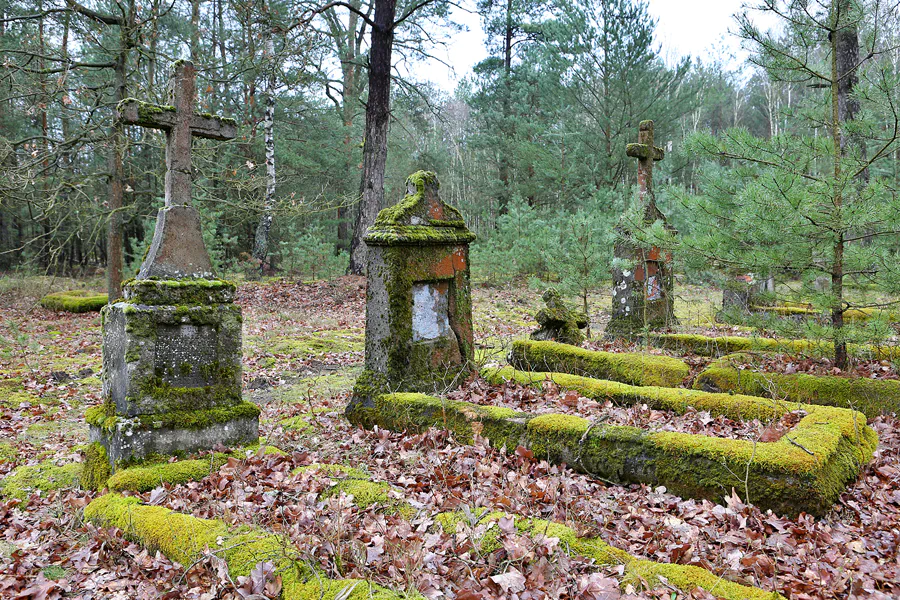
(643, 282)
(172, 346)
(178, 250)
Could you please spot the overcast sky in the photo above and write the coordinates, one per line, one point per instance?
(684, 27)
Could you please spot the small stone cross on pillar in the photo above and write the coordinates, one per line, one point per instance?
(177, 250)
(647, 154)
(643, 281)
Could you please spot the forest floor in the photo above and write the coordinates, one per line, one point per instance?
(303, 347)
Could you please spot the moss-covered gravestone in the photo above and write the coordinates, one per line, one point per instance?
(172, 346)
(558, 322)
(643, 280)
(418, 302)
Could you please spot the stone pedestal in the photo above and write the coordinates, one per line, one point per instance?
(418, 302)
(643, 291)
(172, 371)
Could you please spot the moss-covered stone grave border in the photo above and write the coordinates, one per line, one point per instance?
(635, 368)
(185, 539)
(872, 397)
(804, 471)
(702, 345)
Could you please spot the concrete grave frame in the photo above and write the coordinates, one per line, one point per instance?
(869, 396)
(418, 265)
(804, 471)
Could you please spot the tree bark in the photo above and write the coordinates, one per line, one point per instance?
(378, 112)
(261, 243)
(838, 139)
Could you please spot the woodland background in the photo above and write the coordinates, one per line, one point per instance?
(531, 146)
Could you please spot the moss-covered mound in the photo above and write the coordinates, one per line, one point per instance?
(869, 396)
(44, 477)
(804, 471)
(75, 301)
(184, 539)
(634, 368)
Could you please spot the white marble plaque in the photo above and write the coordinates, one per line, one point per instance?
(430, 315)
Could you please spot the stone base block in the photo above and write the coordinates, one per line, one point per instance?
(133, 440)
(164, 350)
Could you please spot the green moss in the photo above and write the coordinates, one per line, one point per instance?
(677, 400)
(180, 292)
(43, 477)
(331, 341)
(871, 396)
(358, 483)
(145, 478)
(54, 572)
(397, 224)
(75, 301)
(418, 412)
(104, 417)
(8, 452)
(632, 368)
(183, 538)
(719, 346)
(96, 469)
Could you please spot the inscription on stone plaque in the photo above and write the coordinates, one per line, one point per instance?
(431, 309)
(182, 352)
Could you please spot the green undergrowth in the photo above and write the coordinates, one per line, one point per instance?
(184, 539)
(626, 367)
(870, 396)
(75, 301)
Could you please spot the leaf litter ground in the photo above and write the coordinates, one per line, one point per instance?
(47, 551)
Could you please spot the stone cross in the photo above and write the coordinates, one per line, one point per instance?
(647, 154)
(180, 123)
(177, 250)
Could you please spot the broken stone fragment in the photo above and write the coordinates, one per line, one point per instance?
(558, 322)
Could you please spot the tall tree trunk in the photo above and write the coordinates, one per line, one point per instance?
(195, 30)
(261, 243)
(506, 106)
(839, 97)
(114, 258)
(378, 112)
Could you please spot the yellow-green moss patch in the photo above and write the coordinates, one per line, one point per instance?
(44, 477)
(626, 367)
(148, 477)
(75, 301)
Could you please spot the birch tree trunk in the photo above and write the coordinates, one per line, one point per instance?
(261, 243)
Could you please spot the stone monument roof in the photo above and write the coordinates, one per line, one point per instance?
(420, 218)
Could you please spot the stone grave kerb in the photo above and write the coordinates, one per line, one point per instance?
(419, 335)
(172, 346)
(643, 278)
